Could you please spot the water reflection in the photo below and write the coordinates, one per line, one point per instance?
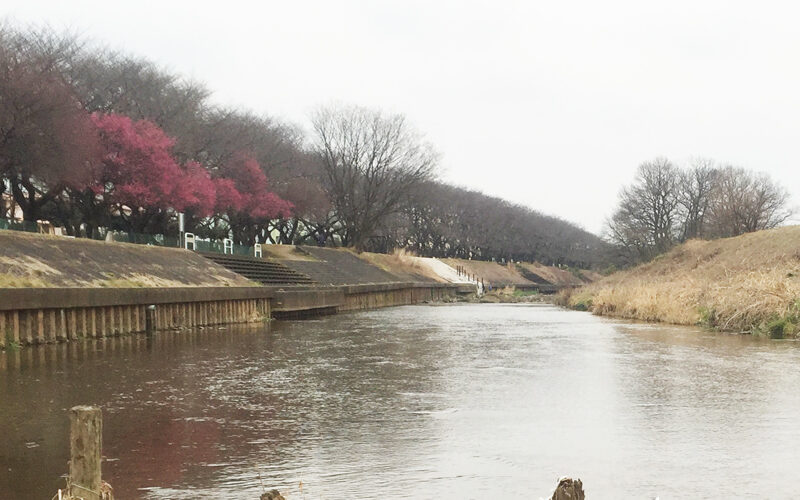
(456, 401)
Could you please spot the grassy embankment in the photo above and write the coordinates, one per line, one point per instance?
(749, 284)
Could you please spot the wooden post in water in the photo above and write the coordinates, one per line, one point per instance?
(85, 445)
(150, 320)
(569, 489)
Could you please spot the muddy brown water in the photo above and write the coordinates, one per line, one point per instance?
(461, 401)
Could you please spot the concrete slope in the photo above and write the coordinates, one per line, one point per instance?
(492, 273)
(34, 260)
(339, 267)
(445, 272)
(406, 266)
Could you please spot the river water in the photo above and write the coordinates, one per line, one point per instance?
(458, 401)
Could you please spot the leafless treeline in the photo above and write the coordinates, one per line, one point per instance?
(666, 205)
(362, 178)
(443, 220)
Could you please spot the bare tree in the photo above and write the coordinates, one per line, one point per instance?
(745, 201)
(109, 82)
(645, 220)
(666, 205)
(371, 162)
(47, 141)
(695, 195)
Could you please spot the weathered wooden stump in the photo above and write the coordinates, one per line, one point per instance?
(569, 489)
(272, 495)
(85, 449)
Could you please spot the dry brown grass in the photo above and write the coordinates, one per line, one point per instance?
(8, 280)
(750, 283)
(591, 276)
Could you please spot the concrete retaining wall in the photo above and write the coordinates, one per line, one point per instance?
(44, 315)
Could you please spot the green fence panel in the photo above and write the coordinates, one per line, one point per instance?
(19, 225)
(242, 250)
(213, 246)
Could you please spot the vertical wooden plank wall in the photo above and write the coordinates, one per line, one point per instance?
(41, 326)
(388, 298)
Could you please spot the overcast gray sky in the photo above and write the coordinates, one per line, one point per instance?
(550, 104)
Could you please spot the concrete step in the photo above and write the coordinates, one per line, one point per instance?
(260, 270)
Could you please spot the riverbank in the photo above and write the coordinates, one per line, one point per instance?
(511, 295)
(748, 284)
(56, 289)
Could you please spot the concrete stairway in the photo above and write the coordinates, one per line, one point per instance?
(263, 271)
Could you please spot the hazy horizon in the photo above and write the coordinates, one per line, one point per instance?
(549, 105)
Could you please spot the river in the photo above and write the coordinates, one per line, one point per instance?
(457, 401)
